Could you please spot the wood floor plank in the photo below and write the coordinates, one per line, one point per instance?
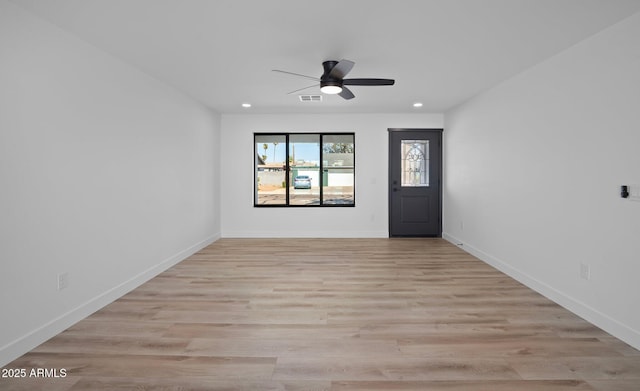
(151, 366)
(384, 368)
(615, 385)
(114, 344)
(490, 385)
(270, 331)
(195, 384)
(93, 326)
(333, 315)
(466, 346)
(579, 367)
(39, 383)
(286, 316)
(287, 346)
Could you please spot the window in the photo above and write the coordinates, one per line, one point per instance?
(304, 169)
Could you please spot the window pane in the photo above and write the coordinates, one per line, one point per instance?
(304, 161)
(270, 170)
(338, 161)
(415, 163)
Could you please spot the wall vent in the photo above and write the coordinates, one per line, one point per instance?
(310, 98)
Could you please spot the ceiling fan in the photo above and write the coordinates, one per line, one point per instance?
(332, 80)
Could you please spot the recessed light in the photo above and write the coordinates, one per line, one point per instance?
(246, 105)
(417, 104)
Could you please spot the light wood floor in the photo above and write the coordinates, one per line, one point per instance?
(327, 314)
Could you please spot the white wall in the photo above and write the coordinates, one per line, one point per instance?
(532, 175)
(369, 218)
(105, 173)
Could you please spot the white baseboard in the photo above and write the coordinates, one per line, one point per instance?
(598, 318)
(305, 234)
(22, 345)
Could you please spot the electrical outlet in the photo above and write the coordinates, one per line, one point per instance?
(585, 272)
(63, 281)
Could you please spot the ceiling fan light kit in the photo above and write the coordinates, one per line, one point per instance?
(333, 82)
(331, 87)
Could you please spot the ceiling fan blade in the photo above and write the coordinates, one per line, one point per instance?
(346, 93)
(368, 82)
(340, 70)
(296, 74)
(300, 89)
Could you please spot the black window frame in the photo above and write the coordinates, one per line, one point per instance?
(287, 204)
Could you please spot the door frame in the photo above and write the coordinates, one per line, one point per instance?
(437, 131)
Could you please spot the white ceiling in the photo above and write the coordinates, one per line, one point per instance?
(441, 52)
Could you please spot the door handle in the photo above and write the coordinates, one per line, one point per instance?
(395, 189)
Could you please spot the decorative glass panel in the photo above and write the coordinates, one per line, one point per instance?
(415, 163)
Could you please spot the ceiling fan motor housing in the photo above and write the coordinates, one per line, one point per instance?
(326, 79)
(328, 66)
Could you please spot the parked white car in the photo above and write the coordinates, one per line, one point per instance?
(302, 182)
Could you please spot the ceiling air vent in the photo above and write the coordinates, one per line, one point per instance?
(310, 98)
